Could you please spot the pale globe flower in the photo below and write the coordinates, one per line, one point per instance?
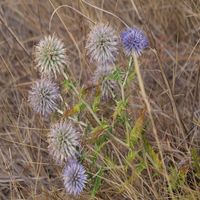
(50, 56)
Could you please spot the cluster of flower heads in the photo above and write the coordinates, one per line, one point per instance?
(102, 47)
(63, 138)
(50, 55)
(64, 141)
(50, 59)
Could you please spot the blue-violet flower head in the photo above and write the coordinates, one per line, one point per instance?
(134, 41)
(75, 178)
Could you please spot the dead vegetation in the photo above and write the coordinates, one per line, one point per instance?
(171, 75)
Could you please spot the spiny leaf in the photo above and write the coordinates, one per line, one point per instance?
(97, 132)
(196, 160)
(68, 84)
(131, 76)
(137, 130)
(75, 109)
(100, 142)
(151, 154)
(177, 178)
(121, 106)
(97, 99)
(140, 167)
(116, 75)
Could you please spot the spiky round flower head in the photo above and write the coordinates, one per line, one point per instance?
(102, 44)
(75, 178)
(63, 140)
(50, 56)
(43, 96)
(134, 41)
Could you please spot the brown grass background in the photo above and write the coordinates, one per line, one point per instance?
(26, 170)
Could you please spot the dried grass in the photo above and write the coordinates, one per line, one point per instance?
(170, 73)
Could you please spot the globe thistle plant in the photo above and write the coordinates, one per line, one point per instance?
(75, 178)
(102, 44)
(50, 56)
(63, 140)
(134, 41)
(43, 97)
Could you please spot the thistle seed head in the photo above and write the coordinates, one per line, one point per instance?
(43, 97)
(50, 56)
(75, 178)
(102, 44)
(63, 141)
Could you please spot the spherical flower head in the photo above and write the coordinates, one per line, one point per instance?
(50, 56)
(63, 141)
(43, 97)
(75, 177)
(134, 41)
(102, 44)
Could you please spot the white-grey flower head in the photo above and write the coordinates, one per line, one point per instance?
(50, 56)
(44, 96)
(102, 44)
(75, 177)
(63, 141)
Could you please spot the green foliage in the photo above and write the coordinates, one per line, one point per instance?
(152, 156)
(196, 161)
(97, 182)
(136, 131)
(177, 178)
(68, 84)
(96, 101)
(116, 75)
(120, 108)
(75, 109)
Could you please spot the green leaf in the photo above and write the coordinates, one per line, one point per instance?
(68, 84)
(116, 75)
(136, 130)
(140, 167)
(196, 161)
(121, 106)
(176, 178)
(75, 109)
(96, 103)
(153, 157)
